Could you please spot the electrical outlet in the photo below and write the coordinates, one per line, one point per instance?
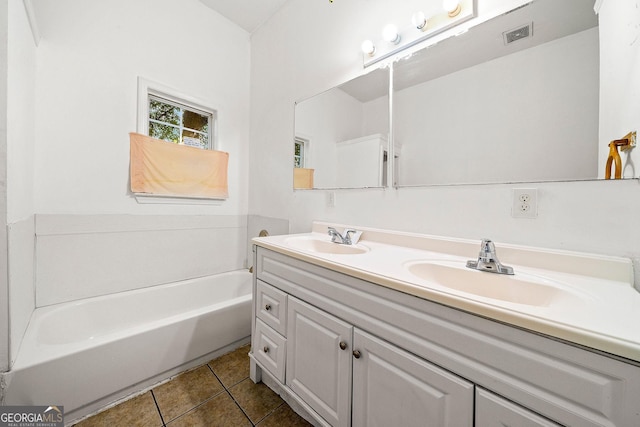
(525, 203)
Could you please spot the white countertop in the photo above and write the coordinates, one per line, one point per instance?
(603, 312)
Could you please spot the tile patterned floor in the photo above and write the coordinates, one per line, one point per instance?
(219, 393)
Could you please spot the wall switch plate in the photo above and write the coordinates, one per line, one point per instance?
(525, 203)
(331, 199)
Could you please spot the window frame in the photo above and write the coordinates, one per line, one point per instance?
(304, 143)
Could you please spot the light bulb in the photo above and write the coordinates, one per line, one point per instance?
(419, 20)
(368, 47)
(452, 7)
(390, 34)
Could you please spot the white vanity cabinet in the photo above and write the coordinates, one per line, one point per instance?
(417, 362)
(326, 367)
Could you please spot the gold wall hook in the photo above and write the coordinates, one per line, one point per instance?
(625, 144)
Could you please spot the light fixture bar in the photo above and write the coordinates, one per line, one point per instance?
(419, 28)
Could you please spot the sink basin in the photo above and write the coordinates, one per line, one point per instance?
(311, 244)
(520, 288)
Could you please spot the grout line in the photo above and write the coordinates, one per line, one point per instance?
(158, 408)
(270, 413)
(231, 395)
(241, 408)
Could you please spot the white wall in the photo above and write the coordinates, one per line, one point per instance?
(4, 285)
(21, 60)
(294, 57)
(89, 59)
(619, 83)
(541, 123)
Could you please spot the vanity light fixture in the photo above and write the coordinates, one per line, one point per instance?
(390, 33)
(368, 48)
(441, 16)
(452, 7)
(419, 20)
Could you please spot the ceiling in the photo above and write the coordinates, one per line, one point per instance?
(248, 14)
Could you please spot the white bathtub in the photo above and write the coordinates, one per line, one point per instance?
(87, 353)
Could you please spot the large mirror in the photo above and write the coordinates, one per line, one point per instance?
(341, 135)
(515, 99)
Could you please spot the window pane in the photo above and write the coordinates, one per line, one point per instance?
(297, 162)
(189, 138)
(164, 132)
(195, 121)
(164, 112)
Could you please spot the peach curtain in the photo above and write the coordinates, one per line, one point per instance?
(163, 168)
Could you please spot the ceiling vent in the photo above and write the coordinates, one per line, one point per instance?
(519, 33)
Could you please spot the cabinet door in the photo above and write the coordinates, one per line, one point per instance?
(392, 387)
(319, 361)
(494, 411)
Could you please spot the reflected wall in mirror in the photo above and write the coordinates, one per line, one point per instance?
(341, 135)
(479, 109)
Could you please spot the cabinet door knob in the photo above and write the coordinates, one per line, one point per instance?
(357, 354)
(266, 349)
(267, 307)
(343, 345)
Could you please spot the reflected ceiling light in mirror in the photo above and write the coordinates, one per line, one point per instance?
(390, 34)
(419, 20)
(452, 7)
(449, 13)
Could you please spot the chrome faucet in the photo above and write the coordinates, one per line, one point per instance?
(488, 260)
(350, 236)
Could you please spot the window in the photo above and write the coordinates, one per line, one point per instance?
(300, 145)
(179, 123)
(164, 113)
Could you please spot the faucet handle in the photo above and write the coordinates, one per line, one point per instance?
(487, 246)
(352, 236)
(336, 237)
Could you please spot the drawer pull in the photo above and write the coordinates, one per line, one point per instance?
(343, 345)
(267, 307)
(356, 354)
(266, 349)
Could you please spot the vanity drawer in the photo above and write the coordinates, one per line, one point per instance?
(271, 307)
(270, 350)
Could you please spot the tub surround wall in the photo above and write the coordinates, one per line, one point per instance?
(21, 253)
(589, 216)
(82, 256)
